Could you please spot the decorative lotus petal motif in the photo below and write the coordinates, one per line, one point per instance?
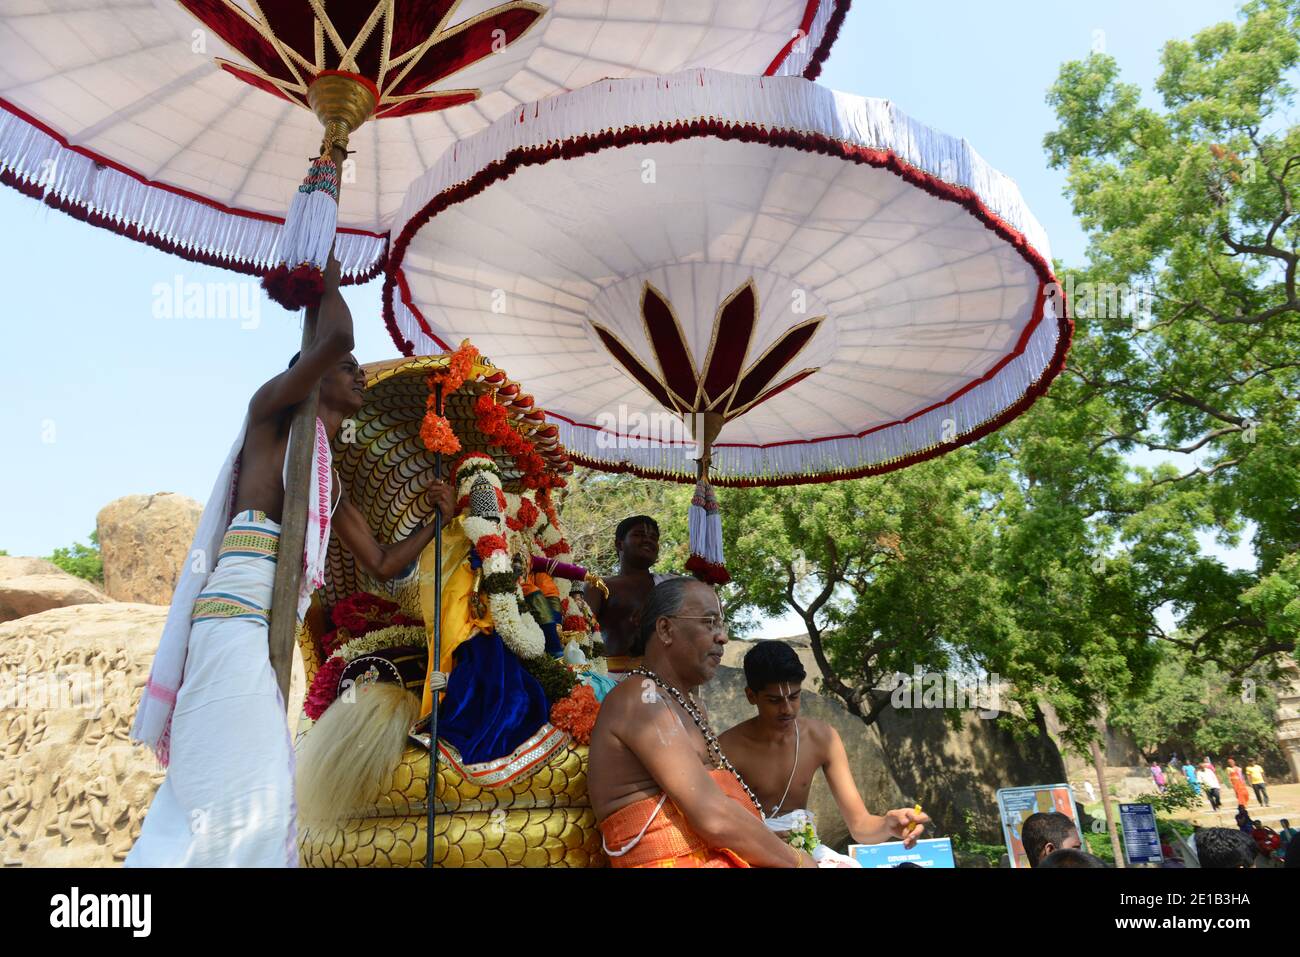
(401, 46)
(724, 382)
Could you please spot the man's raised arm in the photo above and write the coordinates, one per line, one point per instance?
(660, 741)
(333, 341)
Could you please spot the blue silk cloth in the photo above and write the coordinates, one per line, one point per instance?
(492, 704)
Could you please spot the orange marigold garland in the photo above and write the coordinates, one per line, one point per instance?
(437, 434)
(435, 430)
(577, 713)
(459, 367)
(494, 422)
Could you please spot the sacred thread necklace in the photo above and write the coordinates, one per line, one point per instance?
(795, 767)
(710, 739)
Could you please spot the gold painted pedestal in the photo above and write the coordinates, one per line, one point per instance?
(542, 820)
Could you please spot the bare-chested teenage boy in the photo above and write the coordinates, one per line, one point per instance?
(778, 753)
(212, 708)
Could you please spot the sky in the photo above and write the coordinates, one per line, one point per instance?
(107, 390)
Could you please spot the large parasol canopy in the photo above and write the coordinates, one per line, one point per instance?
(186, 124)
(812, 282)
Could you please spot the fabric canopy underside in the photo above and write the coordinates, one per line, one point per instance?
(541, 238)
(116, 112)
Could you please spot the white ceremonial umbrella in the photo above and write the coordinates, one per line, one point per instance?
(802, 285)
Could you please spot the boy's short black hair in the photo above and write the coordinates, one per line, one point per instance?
(1224, 847)
(632, 522)
(772, 662)
(1043, 828)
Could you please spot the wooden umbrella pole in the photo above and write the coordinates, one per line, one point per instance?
(293, 517)
(431, 790)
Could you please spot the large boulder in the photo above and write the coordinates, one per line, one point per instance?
(955, 772)
(15, 566)
(144, 541)
(29, 586)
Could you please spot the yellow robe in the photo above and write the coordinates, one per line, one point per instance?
(459, 581)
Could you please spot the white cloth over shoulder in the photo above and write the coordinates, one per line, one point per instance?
(153, 719)
(822, 854)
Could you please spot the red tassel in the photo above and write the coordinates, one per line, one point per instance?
(706, 571)
(295, 288)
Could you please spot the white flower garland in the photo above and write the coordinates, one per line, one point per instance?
(520, 632)
(394, 636)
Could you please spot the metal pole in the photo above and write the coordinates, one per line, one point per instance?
(436, 651)
(293, 517)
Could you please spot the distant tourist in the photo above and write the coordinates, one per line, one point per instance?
(1190, 773)
(1266, 839)
(1244, 823)
(1222, 847)
(1044, 833)
(1293, 849)
(1238, 782)
(1158, 775)
(1255, 775)
(1287, 834)
(1210, 781)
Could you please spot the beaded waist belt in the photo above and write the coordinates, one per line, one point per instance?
(251, 535)
(241, 587)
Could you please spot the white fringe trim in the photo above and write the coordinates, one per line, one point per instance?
(38, 158)
(785, 102)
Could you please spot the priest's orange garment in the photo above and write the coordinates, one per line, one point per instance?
(669, 840)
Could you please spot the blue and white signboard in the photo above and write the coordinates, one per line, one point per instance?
(1137, 822)
(931, 852)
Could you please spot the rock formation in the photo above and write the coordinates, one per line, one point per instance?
(74, 790)
(144, 541)
(32, 585)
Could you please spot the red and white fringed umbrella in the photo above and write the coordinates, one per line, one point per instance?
(744, 279)
(187, 124)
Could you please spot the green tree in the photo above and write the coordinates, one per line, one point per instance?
(84, 561)
(887, 574)
(1192, 204)
(1196, 708)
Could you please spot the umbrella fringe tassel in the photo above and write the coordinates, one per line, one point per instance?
(309, 227)
(705, 522)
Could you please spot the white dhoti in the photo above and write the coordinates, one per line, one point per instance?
(796, 821)
(227, 799)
